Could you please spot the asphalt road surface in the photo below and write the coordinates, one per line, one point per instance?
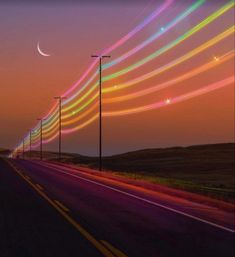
(48, 210)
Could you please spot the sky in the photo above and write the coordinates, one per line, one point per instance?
(177, 112)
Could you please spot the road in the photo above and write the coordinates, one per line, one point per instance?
(65, 212)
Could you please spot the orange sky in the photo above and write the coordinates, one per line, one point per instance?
(71, 33)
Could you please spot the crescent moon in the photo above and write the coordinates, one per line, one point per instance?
(41, 52)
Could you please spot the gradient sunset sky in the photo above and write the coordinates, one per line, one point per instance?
(70, 31)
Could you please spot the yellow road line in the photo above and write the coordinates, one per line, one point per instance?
(106, 252)
(114, 250)
(27, 177)
(39, 186)
(61, 206)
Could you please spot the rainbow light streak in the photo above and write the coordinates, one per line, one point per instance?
(83, 107)
(54, 120)
(52, 115)
(50, 139)
(138, 28)
(82, 88)
(94, 107)
(184, 97)
(81, 98)
(174, 81)
(172, 44)
(121, 41)
(189, 74)
(202, 91)
(166, 67)
(207, 44)
(89, 121)
(155, 36)
(170, 65)
(35, 145)
(37, 134)
(198, 27)
(52, 110)
(50, 131)
(136, 49)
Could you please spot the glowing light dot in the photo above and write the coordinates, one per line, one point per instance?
(162, 29)
(168, 101)
(216, 58)
(73, 112)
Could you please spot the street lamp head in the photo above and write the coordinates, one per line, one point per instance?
(100, 56)
(60, 97)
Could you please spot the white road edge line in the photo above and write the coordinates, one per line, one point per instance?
(145, 200)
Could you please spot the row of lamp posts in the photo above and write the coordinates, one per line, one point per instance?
(60, 98)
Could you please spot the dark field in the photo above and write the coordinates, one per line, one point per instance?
(205, 169)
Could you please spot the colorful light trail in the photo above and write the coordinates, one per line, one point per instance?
(198, 27)
(80, 108)
(184, 97)
(137, 48)
(149, 75)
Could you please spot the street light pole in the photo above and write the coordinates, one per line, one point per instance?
(30, 143)
(100, 106)
(41, 125)
(23, 149)
(60, 98)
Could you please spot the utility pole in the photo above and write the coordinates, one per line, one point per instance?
(30, 143)
(100, 106)
(59, 98)
(41, 127)
(23, 149)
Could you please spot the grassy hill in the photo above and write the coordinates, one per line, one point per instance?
(4, 152)
(205, 169)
